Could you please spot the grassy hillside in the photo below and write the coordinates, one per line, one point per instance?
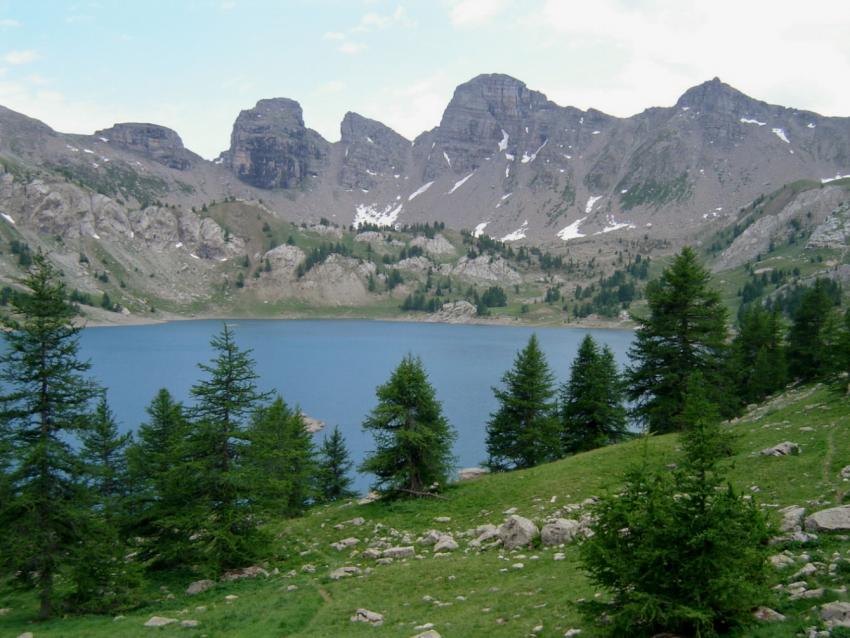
(475, 593)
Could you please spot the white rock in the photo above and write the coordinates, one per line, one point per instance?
(344, 572)
(446, 544)
(562, 530)
(835, 519)
(199, 586)
(398, 552)
(345, 543)
(786, 448)
(792, 518)
(371, 617)
(518, 531)
(160, 621)
(469, 473)
(766, 614)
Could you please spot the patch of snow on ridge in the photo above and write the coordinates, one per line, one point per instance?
(479, 229)
(503, 145)
(613, 225)
(420, 190)
(827, 180)
(571, 232)
(369, 214)
(746, 120)
(8, 218)
(370, 140)
(781, 135)
(526, 158)
(460, 183)
(810, 125)
(590, 202)
(518, 234)
(448, 161)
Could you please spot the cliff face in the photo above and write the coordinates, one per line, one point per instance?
(159, 143)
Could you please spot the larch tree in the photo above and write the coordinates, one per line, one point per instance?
(591, 401)
(333, 477)
(685, 332)
(46, 401)
(524, 430)
(413, 439)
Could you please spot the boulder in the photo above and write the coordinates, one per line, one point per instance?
(371, 617)
(431, 537)
(766, 614)
(845, 473)
(399, 552)
(562, 530)
(792, 518)
(786, 448)
(160, 621)
(517, 531)
(344, 572)
(345, 543)
(431, 633)
(199, 586)
(255, 571)
(189, 624)
(484, 533)
(835, 519)
(835, 614)
(446, 544)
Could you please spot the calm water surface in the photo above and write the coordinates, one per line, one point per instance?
(331, 368)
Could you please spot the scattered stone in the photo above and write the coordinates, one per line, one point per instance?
(560, 531)
(4, 610)
(835, 614)
(484, 533)
(345, 543)
(792, 518)
(357, 521)
(446, 544)
(786, 448)
(199, 586)
(371, 497)
(189, 623)
(344, 572)
(537, 629)
(835, 519)
(431, 537)
(307, 568)
(158, 621)
(559, 556)
(372, 617)
(399, 552)
(845, 473)
(766, 614)
(569, 633)
(231, 597)
(291, 587)
(384, 561)
(431, 633)
(371, 553)
(518, 566)
(255, 571)
(807, 570)
(425, 627)
(443, 519)
(510, 511)
(470, 473)
(26, 634)
(517, 532)
(781, 561)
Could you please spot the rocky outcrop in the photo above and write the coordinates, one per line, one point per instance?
(271, 148)
(158, 143)
(518, 531)
(437, 246)
(484, 268)
(560, 531)
(835, 519)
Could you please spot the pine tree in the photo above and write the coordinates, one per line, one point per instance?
(104, 452)
(685, 332)
(220, 520)
(591, 405)
(281, 460)
(813, 334)
(524, 431)
(46, 400)
(680, 552)
(412, 437)
(757, 356)
(334, 482)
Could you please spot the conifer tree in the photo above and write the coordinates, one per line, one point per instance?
(524, 431)
(281, 460)
(591, 405)
(413, 440)
(334, 482)
(680, 552)
(757, 356)
(104, 452)
(45, 401)
(684, 333)
(813, 335)
(220, 519)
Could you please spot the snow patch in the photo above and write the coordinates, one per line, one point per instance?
(590, 202)
(613, 225)
(810, 125)
(193, 256)
(8, 218)
(179, 244)
(530, 158)
(781, 135)
(746, 120)
(448, 161)
(479, 229)
(507, 171)
(88, 150)
(218, 160)
(503, 145)
(369, 214)
(95, 236)
(571, 232)
(827, 180)
(595, 133)
(419, 191)
(72, 148)
(370, 140)
(686, 108)
(518, 234)
(372, 173)
(510, 157)
(103, 139)
(460, 183)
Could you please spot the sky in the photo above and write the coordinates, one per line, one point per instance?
(192, 65)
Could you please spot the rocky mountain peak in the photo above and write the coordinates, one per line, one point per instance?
(501, 96)
(357, 129)
(160, 143)
(716, 96)
(276, 112)
(372, 149)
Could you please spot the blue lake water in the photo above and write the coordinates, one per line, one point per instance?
(331, 368)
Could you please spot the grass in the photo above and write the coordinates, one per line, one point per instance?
(496, 599)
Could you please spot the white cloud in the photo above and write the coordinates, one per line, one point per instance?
(414, 108)
(228, 5)
(6, 23)
(371, 21)
(333, 35)
(20, 57)
(468, 13)
(334, 86)
(351, 48)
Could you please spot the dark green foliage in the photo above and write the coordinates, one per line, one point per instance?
(813, 333)
(394, 278)
(684, 333)
(413, 440)
(654, 193)
(318, 256)
(757, 356)
(104, 452)
(494, 297)
(333, 480)
(591, 405)
(22, 250)
(524, 431)
(680, 551)
(45, 400)
(280, 460)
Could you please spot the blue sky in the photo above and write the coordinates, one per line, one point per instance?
(194, 64)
